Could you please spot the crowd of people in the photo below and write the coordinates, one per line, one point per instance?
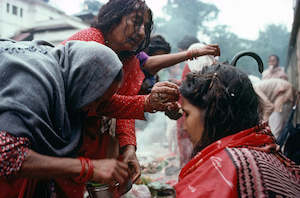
(67, 113)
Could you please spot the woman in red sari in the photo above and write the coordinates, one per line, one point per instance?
(234, 154)
(125, 26)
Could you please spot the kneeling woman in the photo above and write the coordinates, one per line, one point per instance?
(45, 95)
(234, 154)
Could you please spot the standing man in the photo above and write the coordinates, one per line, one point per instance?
(274, 70)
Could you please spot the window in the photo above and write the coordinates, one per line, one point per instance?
(7, 7)
(21, 12)
(15, 10)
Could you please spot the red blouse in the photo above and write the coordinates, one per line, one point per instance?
(126, 99)
(125, 104)
(13, 151)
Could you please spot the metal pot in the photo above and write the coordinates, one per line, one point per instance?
(105, 191)
(122, 189)
(102, 191)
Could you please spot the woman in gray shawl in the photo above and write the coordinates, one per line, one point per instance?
(45, 94)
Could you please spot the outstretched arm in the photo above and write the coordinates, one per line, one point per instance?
(133, 107)
(158, 62)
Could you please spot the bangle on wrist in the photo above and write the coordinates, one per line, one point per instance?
(83, 176)
(189, 54)
(78, 178)
(90, 172)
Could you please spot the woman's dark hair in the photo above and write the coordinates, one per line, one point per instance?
(158, 43)
(119, 76)
(228, 97)
(277, 57)
(186, 42)
(111, 15)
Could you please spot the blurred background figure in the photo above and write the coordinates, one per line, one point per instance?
(176, 71)
(274, 70)
(186, 42)
(278, 97)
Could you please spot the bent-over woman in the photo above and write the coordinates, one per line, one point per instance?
(46, 93)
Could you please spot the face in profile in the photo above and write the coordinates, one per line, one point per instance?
(130, 33)
(194, 121)
(93, 106)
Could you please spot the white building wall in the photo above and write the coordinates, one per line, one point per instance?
(9, 21)
(32, 12)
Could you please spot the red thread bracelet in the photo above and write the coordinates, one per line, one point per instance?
(90, 170)
(189, 54)
(79, 178)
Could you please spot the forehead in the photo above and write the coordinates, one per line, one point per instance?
(141, 13)
(186, 105)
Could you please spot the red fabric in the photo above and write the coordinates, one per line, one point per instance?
(211, 172)
(125, 103)
(68, 188)
(123, 107)
(132, 81)
(185, 71)
(208, 182)
(12, 153)
(10, 188)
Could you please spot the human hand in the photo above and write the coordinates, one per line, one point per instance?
(174, 111)
(212, 49)
(128, 156)
(110, 171)
(161, 96)
(175, 81)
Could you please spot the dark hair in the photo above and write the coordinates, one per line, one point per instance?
(119, 76)
(186, 42)
(227, 95)
(158, 43)
(111, 13)
(277, 58)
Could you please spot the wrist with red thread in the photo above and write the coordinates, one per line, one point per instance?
(85, 176)
(190, 54)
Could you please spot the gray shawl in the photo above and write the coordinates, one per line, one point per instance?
(43, 88)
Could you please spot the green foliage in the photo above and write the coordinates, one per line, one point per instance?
(185, 17)
(230, 44)
(274, 40)
(189, 17)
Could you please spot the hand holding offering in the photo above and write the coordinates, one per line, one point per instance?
(161, 96)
